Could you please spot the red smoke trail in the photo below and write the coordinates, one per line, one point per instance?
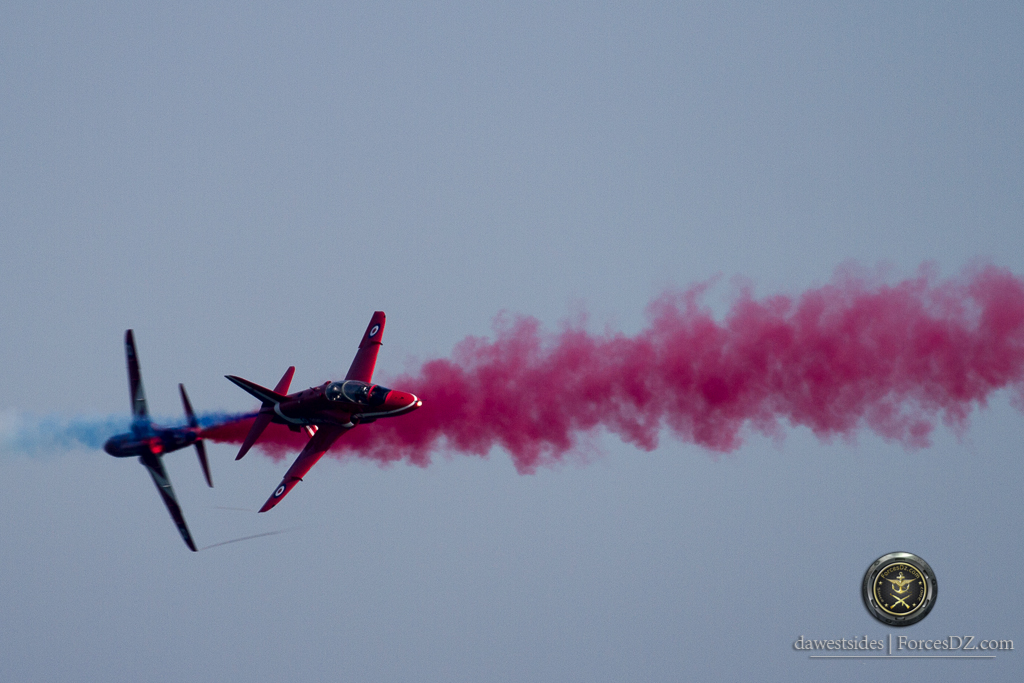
(895, 358)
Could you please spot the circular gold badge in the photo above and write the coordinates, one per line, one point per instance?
(899, 589)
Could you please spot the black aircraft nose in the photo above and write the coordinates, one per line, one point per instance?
(110, 447)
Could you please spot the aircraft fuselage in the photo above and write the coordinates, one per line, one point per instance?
(345, 404)
(151, 441)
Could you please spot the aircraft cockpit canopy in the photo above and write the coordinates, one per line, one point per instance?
(360, 393)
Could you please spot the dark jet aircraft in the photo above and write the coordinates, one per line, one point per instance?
(151, 442)
(327, 411)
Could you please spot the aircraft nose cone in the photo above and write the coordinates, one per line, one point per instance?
(400, 399)
(109, 447)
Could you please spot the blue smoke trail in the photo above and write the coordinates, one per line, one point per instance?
(42, 435)
(51, 435)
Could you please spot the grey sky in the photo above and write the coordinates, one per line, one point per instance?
(244, 184)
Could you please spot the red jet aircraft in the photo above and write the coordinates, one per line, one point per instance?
(327, 411)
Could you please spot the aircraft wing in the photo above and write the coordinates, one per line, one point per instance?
(314, 450)
(134, 377)
(366, 356)
(156, 469)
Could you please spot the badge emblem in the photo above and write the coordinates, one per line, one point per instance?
(899, 589)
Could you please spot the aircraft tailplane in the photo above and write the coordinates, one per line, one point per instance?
(266, 396)
(259, 424)
(269, 399)
(193, 422)
(203, 462)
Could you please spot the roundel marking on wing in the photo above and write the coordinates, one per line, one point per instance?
(279, 491)
(374, 330)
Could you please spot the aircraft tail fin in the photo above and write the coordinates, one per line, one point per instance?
(193, 422)
(285, 381)
(366, 356)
